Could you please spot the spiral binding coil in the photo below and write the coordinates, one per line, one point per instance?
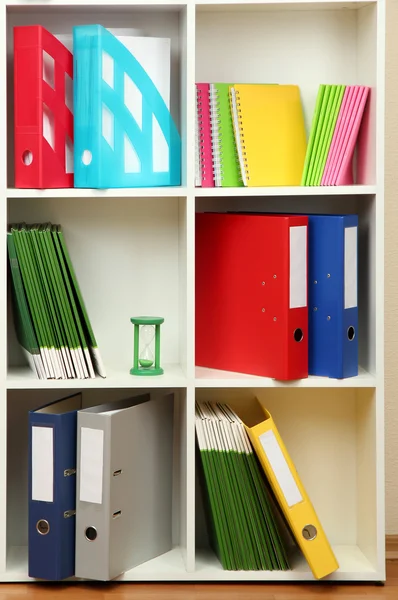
(244, 163)
(198, 161)
(216, 136)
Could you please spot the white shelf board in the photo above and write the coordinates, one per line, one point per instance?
(213, 378)
(342, 190)
(170, 567)
(282, 4)
(158, 192)
(353, 566)
(167, 567)
(22, 378)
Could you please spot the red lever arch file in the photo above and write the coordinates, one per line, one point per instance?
(251, 294)
(41, 155)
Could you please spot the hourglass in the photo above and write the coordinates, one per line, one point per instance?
(146, 346)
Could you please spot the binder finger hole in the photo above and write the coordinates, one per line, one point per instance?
(351, 333)
(309, 532)
(298, 335)
(27, 158)
(91, 534)
(86, 157)
(43, 527)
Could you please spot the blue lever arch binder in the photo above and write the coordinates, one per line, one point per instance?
(114, 148)
(52, 489)
(333, 295)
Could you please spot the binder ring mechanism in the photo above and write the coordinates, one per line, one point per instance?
(309, 532)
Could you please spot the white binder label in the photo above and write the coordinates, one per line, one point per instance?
(91, 464)
(280, 468)
(298, 267)
(43, 464)
(350, 267)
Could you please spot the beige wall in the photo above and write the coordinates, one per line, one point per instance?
(391, 269)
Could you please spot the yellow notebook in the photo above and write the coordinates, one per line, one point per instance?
(269, 133)
(289, 491)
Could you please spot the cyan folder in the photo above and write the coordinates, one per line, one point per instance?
(333, 295)
(124, 134)
(52, 489)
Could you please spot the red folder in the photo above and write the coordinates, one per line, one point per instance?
(38, 163)
(251, 294)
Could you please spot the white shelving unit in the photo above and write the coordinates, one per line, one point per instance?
(133, 251)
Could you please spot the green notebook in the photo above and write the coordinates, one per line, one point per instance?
(225, 155)
(243, 529)
(77, 302)
(329, 130)
(311, 139)
(25, 330)
(37, 303)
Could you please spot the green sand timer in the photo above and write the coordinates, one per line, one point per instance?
(146, 346)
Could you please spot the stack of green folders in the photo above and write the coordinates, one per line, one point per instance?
(243, 528)
(50, 317)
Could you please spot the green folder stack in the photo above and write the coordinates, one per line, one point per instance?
(326, 112)
(243, 528)
(50, 317)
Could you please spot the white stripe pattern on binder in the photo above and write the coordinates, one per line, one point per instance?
(298, 267)
(282, 472)
(350, 267)
(43, 464)
(91, 464)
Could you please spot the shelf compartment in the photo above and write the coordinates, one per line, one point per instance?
(280, 43)
(157, 20)
(167, 566)
(130, 259)
(366, 208)
(332, 437)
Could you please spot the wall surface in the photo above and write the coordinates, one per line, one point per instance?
(391, 268)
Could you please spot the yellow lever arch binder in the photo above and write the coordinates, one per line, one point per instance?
(290, 493)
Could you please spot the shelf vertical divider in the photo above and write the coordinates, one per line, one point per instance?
(379, 292)
(187, 229)
(3, 292)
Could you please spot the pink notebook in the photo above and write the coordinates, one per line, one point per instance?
(204, 127)
(346, 132)
(348, 93)
(344, 174)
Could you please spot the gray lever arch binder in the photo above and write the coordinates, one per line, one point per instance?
(124, 485)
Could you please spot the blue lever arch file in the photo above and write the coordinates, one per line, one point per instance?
(333, 295)
(124, 134)
(52, 489)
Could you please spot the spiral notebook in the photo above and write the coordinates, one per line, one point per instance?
(270, 134)
(204, 159)
(227, 172)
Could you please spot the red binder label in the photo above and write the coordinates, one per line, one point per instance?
(43, 133)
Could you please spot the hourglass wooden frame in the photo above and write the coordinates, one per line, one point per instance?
(156, 368)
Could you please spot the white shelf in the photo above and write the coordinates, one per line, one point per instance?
(160, 192)
(22, 378)
(167, 567)
(212, 378)
(344, 190)
(170, 567)
(353, 566)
